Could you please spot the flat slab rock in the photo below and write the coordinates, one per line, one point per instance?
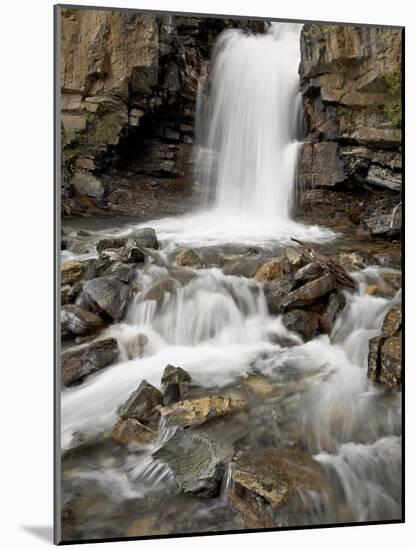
(277, 475)
(310, 292)
(76, 321)
(80, 361)
(198, 411)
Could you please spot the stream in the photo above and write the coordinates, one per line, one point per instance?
(214, 322)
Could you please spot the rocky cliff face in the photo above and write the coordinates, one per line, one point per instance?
(129, 86)
(351, 86)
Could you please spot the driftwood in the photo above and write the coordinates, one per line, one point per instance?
(329, 265)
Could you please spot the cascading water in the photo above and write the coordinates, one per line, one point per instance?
(214, 323)
(249, 153)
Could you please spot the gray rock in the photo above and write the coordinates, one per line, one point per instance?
(309, 293)
(145, 237)
(309, 272)
(142, 405)
(305, 323)
(276, 290)
(294, 256)
(80, 361)
(333, 307)
(87, 184)
(198, 457)
(175, 382)
(385, 353)
(76, 321)
(106, 296)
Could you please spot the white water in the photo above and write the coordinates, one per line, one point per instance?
(250, 151)
(217, 327)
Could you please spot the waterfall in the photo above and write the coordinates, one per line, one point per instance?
(247, 158)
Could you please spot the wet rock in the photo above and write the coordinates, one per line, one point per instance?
(71, 272)
(110, 243)
(356, 260)
(80, 361)
(276, 290)
(195, 465)
(106, 296)
(309, 272)
(254, 512)
(145, 237)
(294, 256)
(309, 293)
(133, 253)
(270, 270)
(385, 359)
(277, 475)
(188, 257)
(159, 289)
(76, 321)
(259, 385)
(131, 430)
(304, 323)
(142, 405)
(175, 382)
(198, 457)
(197, 411)
(64, 294)
(135, 345)
(333, 307)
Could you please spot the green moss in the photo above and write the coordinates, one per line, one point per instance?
(105, 128)
(393, 109)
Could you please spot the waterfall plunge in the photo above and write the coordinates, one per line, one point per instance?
(248, 153)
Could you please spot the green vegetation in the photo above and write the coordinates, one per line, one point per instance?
(393, 109)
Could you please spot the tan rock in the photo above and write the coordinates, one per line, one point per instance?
(270, 270)
(277, 475)
(197, 411)
(259, 385)
(71, 272)
(131, 430)
(73, 122)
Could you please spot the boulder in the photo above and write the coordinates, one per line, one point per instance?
(199, 410)
(106, 296)
(71, 272)
(385, 359)
(333, 307)
(143, 405)
(188, 257)
(270, 270)
(131, 430)
(309, 293)
(197, 457)
(307, 273)
(80, 361)
(277, 475)
(145, 237)
(76, 321)
(305, 323)
(276, 290)
(174, 381)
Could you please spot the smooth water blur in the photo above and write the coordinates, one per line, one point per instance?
(218, 328)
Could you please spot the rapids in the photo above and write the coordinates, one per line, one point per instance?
(218, 328)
